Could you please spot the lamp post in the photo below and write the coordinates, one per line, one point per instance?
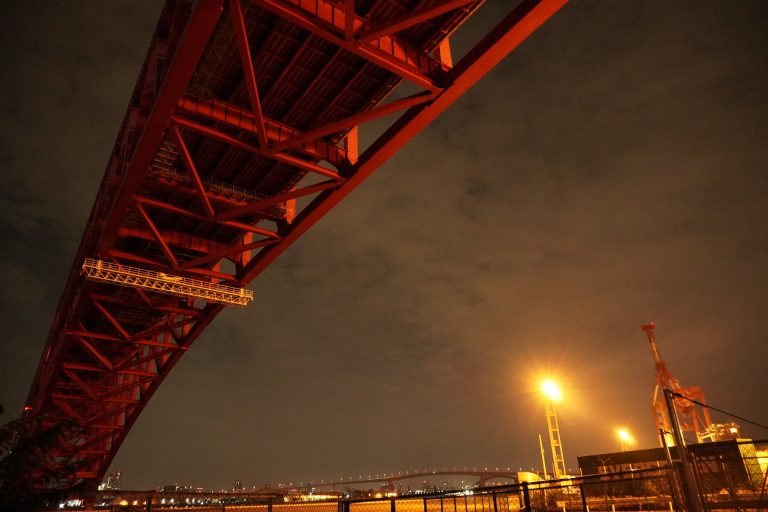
(553, 395)
(625, 439)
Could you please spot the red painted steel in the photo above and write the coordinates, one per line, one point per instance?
(240, 108)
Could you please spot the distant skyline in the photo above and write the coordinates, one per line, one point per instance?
(610, 172)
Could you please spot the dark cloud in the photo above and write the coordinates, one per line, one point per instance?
(609, 172)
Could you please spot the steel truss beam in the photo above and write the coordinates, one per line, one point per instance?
(505, 37)
(413, 18)
(327, 20)
(109, 352)
(235, 117)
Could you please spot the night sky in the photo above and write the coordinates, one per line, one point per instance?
(611, 171)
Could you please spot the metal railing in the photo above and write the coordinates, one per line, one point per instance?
(124, 275)
(723, 482)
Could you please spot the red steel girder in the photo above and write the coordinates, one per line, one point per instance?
(90, 348)
(192, 170)
(175, 209)
(412, 18)
(242, 119)
(123, 369)
(121, 255)
(177, 239)
(231, 251)
(506, 36)
(241, 36)
(328, 21)
(355, 120)
(293, 194)
(224, 202)
(158, 237)
(202, 21)
(109, 211)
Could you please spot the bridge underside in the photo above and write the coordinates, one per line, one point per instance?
(241, 133)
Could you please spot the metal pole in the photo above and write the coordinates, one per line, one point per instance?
(689, 480)
(543, 458)
(672, 474)
(526, 497)
(584, 507)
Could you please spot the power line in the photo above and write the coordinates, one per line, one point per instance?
(720, 410)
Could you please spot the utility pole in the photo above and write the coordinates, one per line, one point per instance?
(543, 458)
(690, 488)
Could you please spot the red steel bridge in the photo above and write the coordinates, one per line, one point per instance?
(243, 110)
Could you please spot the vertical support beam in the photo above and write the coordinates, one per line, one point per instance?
(290, 208)
(444, 53)
(349, 19)
(353, 145)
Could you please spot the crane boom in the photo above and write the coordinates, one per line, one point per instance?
(692, 417)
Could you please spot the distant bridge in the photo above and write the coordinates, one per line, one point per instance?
(482, 475)
(241, 108)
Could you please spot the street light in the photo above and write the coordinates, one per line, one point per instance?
(552, 391)
(625, 439)
(553, 395)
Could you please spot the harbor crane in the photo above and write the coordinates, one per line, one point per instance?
(693, 418)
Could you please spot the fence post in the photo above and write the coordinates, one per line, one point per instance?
(526, 498)
(149, 503)
(392, 505)
(690, 488)
(583, 498)
(494, 501)
(269, 504)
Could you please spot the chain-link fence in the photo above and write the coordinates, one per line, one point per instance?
(731, 478)
(727, 476)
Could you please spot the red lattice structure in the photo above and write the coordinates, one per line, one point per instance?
(692, 418)
(240, 109)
